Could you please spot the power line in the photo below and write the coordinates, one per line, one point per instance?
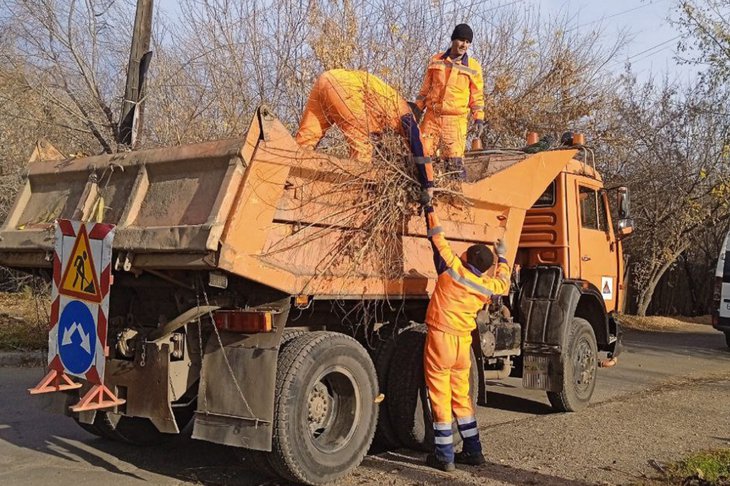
(650, 49)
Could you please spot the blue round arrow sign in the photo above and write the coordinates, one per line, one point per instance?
(76, 337)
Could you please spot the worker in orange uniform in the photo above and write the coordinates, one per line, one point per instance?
(453, 88)
(361, 105)
(463, 288)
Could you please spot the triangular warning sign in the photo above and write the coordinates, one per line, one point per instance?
(606, 288)
(79, 278)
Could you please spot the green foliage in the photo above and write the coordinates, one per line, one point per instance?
(710, 466)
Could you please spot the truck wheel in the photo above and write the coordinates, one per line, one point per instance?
(324, 411)
(580, 363)
(385, 436)
(408, 406)
(90, 428)
(131, 430)
(727, 339)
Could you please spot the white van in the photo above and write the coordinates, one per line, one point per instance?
(721, 294)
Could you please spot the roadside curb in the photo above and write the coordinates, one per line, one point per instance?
(24, 359)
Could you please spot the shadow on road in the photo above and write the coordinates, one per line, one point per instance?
(410, 466)
(517, 404)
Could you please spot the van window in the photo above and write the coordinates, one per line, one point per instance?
(588, 207)
(726, 268)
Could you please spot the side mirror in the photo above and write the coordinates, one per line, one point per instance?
(625, 227)
(623, 202)
(625, 223)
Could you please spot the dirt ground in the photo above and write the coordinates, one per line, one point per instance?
(615, 442)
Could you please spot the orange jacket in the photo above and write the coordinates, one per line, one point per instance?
(453, 87)
(461, 290)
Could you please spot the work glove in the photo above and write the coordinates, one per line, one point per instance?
(500, 248)
(426, 197)
(478, 128)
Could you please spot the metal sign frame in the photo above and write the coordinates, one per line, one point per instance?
(71, 310)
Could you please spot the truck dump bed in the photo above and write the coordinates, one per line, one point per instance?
(261, 208)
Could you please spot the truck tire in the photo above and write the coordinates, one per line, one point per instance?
(385, 435)
(727, 339)
(408, 405)
(90, 428)
(324, 410)
(580, 364)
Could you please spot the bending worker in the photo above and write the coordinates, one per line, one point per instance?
(463, 288)
(453, 88)
(361, 105)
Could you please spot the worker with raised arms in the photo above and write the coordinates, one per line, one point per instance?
(463, 288)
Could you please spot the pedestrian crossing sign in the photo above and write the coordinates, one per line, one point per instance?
(79, 280)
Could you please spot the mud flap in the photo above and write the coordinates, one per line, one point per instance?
(237, 383)
(615, 336)
(543, 370)
(147, 391)
(547, 306)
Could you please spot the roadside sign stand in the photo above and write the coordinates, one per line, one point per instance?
(95, 399)
(52, 383)
(79, 309)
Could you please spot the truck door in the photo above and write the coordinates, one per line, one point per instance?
(597, 250)
(723, 272)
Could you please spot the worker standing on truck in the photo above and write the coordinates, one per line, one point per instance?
(463, 288)
(361, 105)
(452, 88)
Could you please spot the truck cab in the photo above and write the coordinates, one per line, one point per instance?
(570, 226)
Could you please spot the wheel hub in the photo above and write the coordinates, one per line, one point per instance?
(319, 406)
(585, 364)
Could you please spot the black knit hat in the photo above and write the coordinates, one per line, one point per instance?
(463, 31)
(480, 257)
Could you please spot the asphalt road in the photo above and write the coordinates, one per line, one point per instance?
(37, 447)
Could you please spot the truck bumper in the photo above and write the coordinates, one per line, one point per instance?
(722, 324)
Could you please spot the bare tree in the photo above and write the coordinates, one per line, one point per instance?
(72, 54)
(705, 29)
(669, 145)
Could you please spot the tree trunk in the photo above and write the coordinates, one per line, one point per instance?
(647, 292)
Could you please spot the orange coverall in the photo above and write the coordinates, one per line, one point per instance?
(360, 104)
(461, 291)
(451, 90)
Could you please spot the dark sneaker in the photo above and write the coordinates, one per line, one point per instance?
(470, 458)
(436, 463)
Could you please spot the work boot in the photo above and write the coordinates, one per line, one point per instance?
(470, 458)
(436, 463)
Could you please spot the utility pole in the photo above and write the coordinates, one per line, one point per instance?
(130, 123)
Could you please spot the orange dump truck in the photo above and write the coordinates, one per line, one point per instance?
(222, 312)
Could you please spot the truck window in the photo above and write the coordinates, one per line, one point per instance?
(547, 198)
(588, 207)
(602, 212)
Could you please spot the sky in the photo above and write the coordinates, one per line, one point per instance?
(654, 39)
